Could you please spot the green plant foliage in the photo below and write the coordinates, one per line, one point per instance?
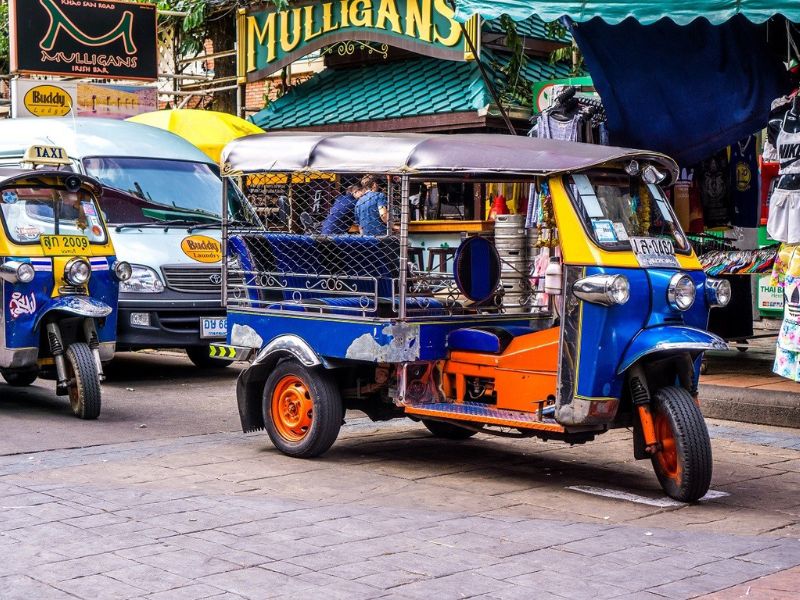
(512, 87)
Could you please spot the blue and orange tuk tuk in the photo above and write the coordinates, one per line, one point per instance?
(610, 333)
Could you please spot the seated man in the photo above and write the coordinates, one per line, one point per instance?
(372, 210)
(342, 214)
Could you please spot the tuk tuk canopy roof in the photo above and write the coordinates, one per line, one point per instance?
(423, 154)
(681, 12)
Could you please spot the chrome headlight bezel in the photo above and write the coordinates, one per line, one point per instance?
(718, 292)
(122, 270)
(77, 272)
(606, 290)
(680, 287)
(17, 271)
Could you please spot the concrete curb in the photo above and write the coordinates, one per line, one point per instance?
(746, 405)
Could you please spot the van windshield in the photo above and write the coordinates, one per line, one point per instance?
(164, 190)
(616, 207)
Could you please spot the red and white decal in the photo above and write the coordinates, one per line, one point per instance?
(21, 304)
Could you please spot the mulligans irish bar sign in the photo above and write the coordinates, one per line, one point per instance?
(84, 38)
(270, 39)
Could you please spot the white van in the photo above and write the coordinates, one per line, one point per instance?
(162, 205)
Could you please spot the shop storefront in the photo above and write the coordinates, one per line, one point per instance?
(408, 67)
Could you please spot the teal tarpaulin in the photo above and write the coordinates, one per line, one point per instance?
(681, 12)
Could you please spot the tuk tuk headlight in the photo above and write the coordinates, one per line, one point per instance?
(15, 271)
(606, 290)
(77, 271)
(122, 270)
(681, 292)
(718, 292)
(143, 280)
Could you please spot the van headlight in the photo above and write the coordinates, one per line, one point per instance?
(77, 271)
(607, 290)
(143, 280)
(681, 292)
(718, 292)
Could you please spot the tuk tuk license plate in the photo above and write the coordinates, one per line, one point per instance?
(654, 252)
(59, 245)
(213, 327)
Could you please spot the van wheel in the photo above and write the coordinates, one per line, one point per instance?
(303, 409)
(200, 357)
(20, 378)
(84, 382)
(447, 430)
(683, 463)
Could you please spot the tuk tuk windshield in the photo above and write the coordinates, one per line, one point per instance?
(30, 212)
(616, 207)
(164, 190)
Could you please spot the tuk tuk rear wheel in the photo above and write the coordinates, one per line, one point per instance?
(20, 378)
(303, 409)
(683, 463)
(84, 382)
(447, 430)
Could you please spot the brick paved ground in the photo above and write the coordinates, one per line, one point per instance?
(393, 513)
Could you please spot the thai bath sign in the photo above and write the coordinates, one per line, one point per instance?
(61, 98)
(84, 38)
(270, 40)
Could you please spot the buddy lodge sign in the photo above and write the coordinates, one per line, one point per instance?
(270, 40)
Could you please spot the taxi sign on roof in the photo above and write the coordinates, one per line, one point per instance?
(46, 155)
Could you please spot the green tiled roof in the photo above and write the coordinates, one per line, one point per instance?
(409, 88)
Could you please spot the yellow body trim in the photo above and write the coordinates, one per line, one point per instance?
(578, 248)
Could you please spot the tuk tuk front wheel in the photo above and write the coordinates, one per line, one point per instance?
(84, 382)
(683, 463)
(303, 409)
(20, 378)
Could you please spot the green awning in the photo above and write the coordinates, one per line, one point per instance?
(644, 11)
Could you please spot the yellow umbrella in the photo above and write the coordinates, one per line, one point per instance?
(208, 130)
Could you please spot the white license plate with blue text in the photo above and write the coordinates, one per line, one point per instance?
(213, 327)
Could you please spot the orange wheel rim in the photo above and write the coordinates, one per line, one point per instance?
(667, 456)
(292, 408)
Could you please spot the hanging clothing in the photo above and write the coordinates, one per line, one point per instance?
(786, 274)
(550, 128)
(744, 182)
(783, 223)
(714, 190)
(680, 197)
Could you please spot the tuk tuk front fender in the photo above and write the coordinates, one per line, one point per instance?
(78, 306)
(668, 338)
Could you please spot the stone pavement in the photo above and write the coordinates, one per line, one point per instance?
(391, 512)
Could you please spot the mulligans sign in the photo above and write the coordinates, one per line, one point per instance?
(84, 38)
(270, 39)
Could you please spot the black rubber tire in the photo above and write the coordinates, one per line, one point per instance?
(692, 445)
(200, 357)
(20, 378)
(85, 397)
(328, 410)
(447, 430)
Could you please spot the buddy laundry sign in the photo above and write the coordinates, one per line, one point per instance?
(84, 38)
(270, 40)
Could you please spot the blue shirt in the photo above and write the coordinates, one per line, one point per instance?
(368, 214)
(341, 217)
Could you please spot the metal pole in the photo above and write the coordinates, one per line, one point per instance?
(489, 83)
(404, 193)
(224, 288)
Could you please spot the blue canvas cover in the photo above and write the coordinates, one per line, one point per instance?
(686, 91)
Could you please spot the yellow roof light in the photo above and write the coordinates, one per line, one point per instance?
(46, 155)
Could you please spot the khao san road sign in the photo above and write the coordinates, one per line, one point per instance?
(84, 38)
(271, 39)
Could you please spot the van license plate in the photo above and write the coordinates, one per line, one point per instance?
(213, 327)
(654, 252)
